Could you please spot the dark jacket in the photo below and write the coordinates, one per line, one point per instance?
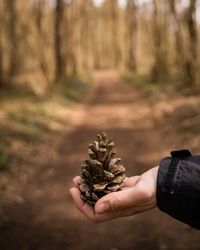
(178, 187)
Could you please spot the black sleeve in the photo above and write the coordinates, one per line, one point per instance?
(178, 187)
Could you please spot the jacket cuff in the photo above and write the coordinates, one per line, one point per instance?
(174, 195)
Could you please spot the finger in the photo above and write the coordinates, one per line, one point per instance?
(88, 210)
(83, 206)
(116, 201)
(121, 213)
(131, 181)
(76, 180)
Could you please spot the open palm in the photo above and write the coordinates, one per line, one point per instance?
(137, 195)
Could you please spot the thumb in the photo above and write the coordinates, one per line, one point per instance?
(115, 201)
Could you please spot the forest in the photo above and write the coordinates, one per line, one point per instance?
(70, 69)
(52, 40)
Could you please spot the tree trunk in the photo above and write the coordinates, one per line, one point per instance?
(114, 12)
(40, 8)
(131, 14)
(1, 49)
(191, 61)
(87, 18)
(160, 69)
(77, 6)
(59, 62)
(13, 37)
(178, 35)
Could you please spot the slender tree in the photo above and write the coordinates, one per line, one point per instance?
(59, 61)
(13, 37)
(87, 31)
(76, 36)
(178, 35)
(160, 68)
(39, 11)
(1, 45)
(191, 61)
(114, 11)
(131, 24)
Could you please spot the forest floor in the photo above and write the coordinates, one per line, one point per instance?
(42, 215)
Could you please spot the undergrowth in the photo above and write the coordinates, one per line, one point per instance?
(27, 119)
(176, 106)
(143, 81)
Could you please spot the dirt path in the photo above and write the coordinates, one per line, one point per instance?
(47, 220)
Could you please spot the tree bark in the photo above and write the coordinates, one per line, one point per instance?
(40, 8)
(1, 49)
(178, 35)
(77, 56)
(114, 12)
(160, 68)
(131, 15)
(59, 62)
(191, 61)
(13, 37)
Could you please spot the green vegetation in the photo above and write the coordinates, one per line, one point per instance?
(160, 89)
(144, 81)
(74, 89)
(14, 92)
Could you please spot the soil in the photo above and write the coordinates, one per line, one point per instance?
(44, 217)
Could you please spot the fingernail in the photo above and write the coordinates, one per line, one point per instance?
(102, 208)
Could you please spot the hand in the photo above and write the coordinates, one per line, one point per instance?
(137, 195)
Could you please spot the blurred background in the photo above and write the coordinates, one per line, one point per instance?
(70, 69)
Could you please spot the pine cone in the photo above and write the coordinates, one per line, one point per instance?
(102, 173)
